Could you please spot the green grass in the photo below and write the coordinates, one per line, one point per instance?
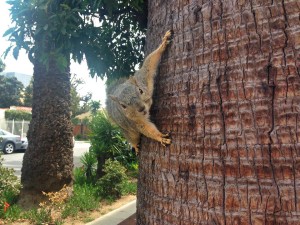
(38, 216)
(83, 200)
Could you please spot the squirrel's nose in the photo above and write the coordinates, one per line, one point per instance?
(142, 108)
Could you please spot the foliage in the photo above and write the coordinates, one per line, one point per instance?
(95, 106)
(105, 137)
(82, 200)
(108, 34)
(129, 187)
(107, 142)
(75, 102)
(85, 197)
(10, 93)
(110, 185)
(57, 198)
(89, 162)
(2, 66)
(76, 109)
(27, 101)
(9, 186)
(80, 176)
(17, 115)
(14, 212)
(133, 169)
(39, 216)
(75, 121)
(43, 215)
(85, 103)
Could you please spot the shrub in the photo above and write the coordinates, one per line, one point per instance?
(9, 186)
(89, 162)
(107, 142)
(79, 176)
(110, 185)
(129, 187)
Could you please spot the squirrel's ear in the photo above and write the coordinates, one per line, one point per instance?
(132, 80)
(114, 98)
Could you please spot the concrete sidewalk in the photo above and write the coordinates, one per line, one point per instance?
(116, 216)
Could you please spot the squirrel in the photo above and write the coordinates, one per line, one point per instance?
(129, 100)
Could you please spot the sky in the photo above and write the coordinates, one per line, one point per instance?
(23, 65)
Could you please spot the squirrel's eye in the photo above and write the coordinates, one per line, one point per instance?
(141, 91)
(123, 106)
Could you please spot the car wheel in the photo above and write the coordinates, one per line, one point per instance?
(9, 148)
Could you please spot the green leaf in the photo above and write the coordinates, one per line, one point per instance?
(9, 31)
(7, 51)
(16, 51)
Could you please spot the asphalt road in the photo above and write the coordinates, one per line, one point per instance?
(15, 160)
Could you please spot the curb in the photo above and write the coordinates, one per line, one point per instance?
(116, 216)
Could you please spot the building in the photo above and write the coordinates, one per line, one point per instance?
(24, 78)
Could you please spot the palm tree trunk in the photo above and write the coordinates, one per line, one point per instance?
(48, 161)
(228, 91)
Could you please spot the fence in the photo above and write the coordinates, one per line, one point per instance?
(21, 128)
(15, 127)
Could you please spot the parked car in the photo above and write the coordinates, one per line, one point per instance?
(10, 142)
(24, 143)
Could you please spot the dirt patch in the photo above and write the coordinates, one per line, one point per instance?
(83, 218)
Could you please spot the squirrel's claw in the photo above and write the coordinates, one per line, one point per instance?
(165, 135)
(168, 36)
(165, 139)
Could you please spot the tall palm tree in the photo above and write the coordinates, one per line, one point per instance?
(228, 91)
(54, 32)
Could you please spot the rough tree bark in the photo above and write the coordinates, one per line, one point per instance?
(228, 89)
(48, 161)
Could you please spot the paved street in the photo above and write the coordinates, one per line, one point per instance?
(15, 160)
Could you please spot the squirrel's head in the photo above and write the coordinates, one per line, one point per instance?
(130, 101)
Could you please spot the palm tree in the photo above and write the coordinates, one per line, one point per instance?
(228, 91)
(54, 32)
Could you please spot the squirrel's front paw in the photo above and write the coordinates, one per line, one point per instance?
(165, 139)
(168, 36)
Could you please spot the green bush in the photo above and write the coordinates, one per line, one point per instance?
(9, 186)
(129, 187)
(79, 176)
(107, 142)
(89, 162)
(17, 115)
(110, 185)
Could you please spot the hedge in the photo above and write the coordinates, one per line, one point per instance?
(17, 115)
